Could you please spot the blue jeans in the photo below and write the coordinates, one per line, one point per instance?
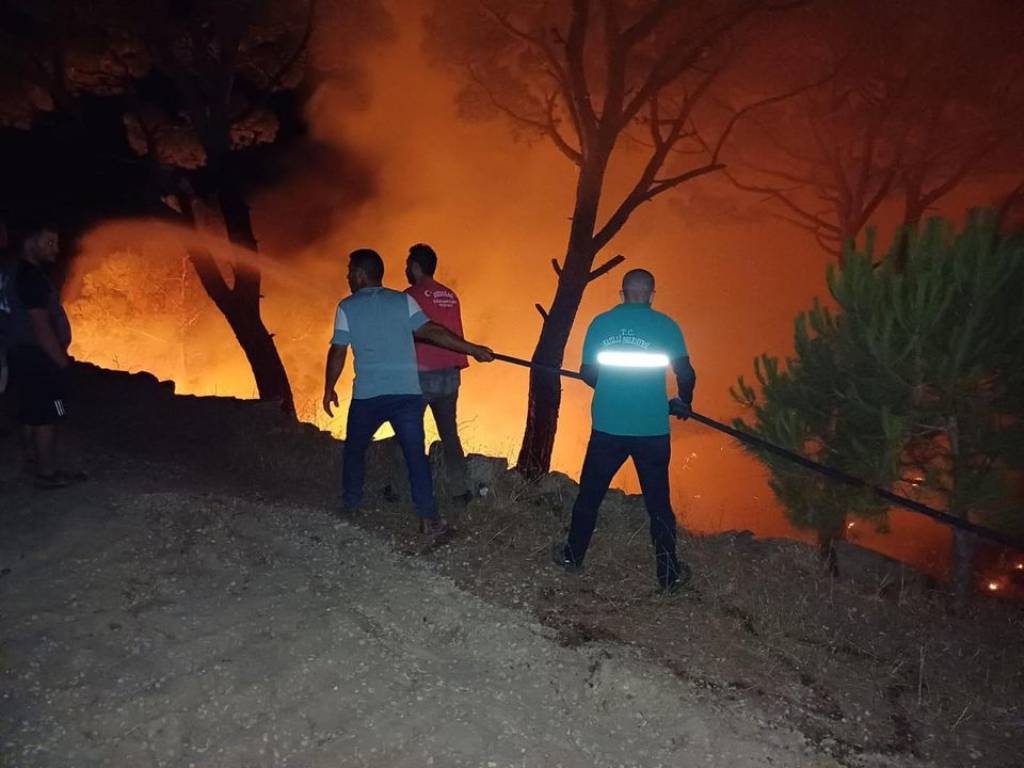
(605, 455)
(365, 417)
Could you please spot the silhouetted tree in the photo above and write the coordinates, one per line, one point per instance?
(925, 98)
(915, 380)
(810, 405)
(598, 79)
(200, 87)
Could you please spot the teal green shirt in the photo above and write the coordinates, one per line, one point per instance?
(632, 401)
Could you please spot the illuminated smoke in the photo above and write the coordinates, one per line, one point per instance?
(496, 212)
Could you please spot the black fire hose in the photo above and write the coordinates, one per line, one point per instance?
(831, 473)
(537, 366)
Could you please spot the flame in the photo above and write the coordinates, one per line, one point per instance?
(496, 212)
(994, 586)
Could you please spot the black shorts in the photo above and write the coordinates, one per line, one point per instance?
(38, 385)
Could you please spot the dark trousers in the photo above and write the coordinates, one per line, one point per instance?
(444, 408)
(605, 455)
(441, 391)
(365, 417)
(39, 386)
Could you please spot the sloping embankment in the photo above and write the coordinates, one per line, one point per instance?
(871, 669)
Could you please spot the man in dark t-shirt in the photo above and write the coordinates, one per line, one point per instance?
(38, 338)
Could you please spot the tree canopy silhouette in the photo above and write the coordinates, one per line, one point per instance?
(653, 82)
(925, 98)
(196, 91)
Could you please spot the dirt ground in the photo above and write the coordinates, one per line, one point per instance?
(196, 603)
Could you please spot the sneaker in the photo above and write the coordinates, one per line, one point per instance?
(681, 580)
(562, 560)
(436, 529)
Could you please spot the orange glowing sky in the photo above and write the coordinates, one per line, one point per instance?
(496, 211)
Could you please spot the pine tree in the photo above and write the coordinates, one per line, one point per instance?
(914, 383)
(813, 406)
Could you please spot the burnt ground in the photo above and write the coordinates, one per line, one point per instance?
(872, 668)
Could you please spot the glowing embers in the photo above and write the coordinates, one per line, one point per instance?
(619, 359)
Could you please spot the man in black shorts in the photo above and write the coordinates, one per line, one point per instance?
(39, 336)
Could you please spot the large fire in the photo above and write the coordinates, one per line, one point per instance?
(495, 211)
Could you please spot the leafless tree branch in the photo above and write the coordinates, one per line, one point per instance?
(647, 23)
(1012, 199)
(761, 104)
(605, 268)
(649, 186)
(547, 126)
(807, 217)
(575, 49)
(556, 136)
(680, 57)
(534, 40)
(915, 208)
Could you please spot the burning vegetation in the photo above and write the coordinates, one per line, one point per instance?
(216, 160)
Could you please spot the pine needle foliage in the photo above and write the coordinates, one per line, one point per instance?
(914, 381)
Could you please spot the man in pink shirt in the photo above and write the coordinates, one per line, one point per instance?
(440, 369)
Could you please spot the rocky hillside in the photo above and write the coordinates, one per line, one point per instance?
(872, 665)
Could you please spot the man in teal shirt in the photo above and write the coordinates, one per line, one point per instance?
(626, 355)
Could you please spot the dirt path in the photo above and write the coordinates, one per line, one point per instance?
(175, 629)
(194, 605)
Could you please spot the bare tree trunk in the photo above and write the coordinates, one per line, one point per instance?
(827, 539)
(1006, 208)
(914, 207)
(963, 541)
(545, 395)
(240, 303)
(963, 566)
